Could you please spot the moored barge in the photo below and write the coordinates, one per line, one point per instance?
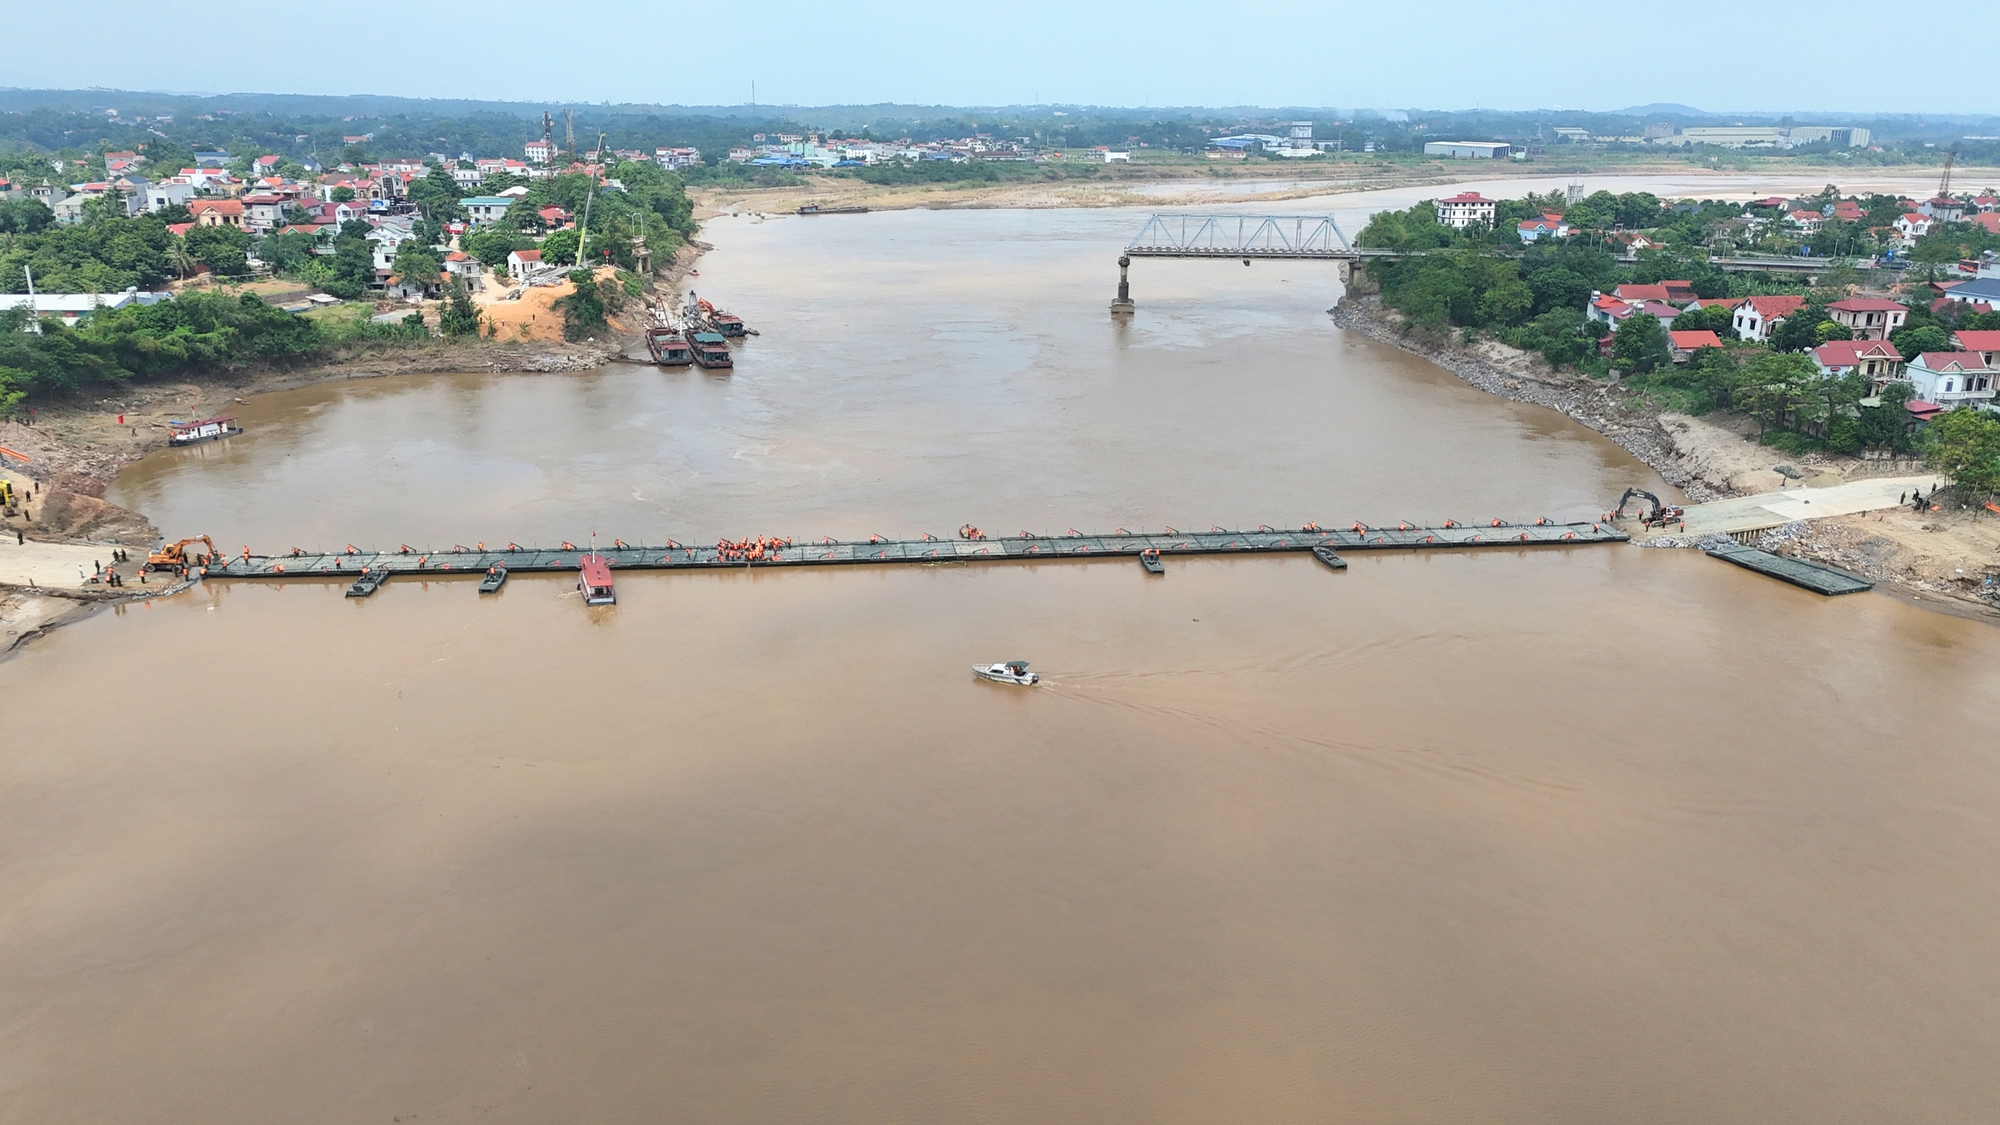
(709, 348)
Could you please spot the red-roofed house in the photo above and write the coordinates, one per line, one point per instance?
(1849, 211)
(264, 213)
(1464, 209)
(179, 229)
(1911, 226)
(1952, 379)
(217, 212)
(1685, 343)
(1878, 361)
(1550, 225)
(1989, 221)
(1757, 316)
(1678, 293)
(1770, 201)
(264, 165)
(519, 262)
(1985, 342)
(1872, 318)
(1807, 221)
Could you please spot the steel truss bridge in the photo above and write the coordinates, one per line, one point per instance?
(1250, 238)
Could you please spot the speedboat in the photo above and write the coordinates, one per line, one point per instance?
(1007, 672)
(1150, 559)
(496, 577)
(1325, 554)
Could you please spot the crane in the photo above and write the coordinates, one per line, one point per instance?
(1944, 181)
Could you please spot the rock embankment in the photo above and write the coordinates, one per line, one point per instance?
(1511, 374)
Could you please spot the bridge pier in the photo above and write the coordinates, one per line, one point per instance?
(1123, 305)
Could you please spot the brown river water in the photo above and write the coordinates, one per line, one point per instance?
(1580, 835)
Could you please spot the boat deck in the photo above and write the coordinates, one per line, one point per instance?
(380, 565)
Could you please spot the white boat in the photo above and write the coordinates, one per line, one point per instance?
(1007, 672)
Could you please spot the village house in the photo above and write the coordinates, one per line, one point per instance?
(264, 213)
(1871, 318)
(1848, 211)
(1550, 225)
(671, 158)
(540, 152)
(1757, 316)
(388, 238)
(1464, 209)
(1877, 361)
(1685, 344)
(170, 194)
(462, 265)
(483, 209)
(1986, 342)
(1807, 221)
(520, 263)
(1612, 310)
(1677, 293)
(1952, 379)
(217, 212)
(1911, 226)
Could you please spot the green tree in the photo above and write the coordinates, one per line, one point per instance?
(1772, 384)
(436, 195)
(1799, 331)
(1966, 450)
(418, 264)
(224, 250)
(342, 194)
(559, 248)
(458, 317)
(1640, 344)
(1911, 341)
(583, 308)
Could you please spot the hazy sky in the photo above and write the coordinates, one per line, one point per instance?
(1444, 54)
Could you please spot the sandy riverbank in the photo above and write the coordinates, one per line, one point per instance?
(1940, 559)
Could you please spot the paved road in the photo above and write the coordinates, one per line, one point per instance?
(1771, 509)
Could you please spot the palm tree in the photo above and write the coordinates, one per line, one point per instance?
(180, 257)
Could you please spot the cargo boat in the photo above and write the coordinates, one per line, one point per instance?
(710, 349)
(593, 580)
(728, 324)
(668, 347)
(816, 209)
(208, 429)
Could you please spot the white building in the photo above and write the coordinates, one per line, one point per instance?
(1464, 209)
(161, 196)
(72, 307)
(1952, 379)
(1756, 317)
(1469, 150)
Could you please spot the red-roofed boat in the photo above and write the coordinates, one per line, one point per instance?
(593, 580)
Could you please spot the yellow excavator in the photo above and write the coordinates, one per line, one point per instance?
(7, 497)
(174, 556)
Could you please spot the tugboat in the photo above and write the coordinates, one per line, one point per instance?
(710, 350)
(668, 347)
(593, 580)
(1007, 672)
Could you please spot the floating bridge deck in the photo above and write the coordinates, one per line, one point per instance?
(376, 566)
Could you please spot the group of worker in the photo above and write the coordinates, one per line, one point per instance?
(749, 550)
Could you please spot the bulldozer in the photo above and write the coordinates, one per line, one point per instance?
(1659, 515)
(174, 556)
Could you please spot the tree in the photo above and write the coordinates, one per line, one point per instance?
(1640, 345)
(1932, 251)
(419, 264)
(1967, 451)
(1911, 341)
(225, 250)
(458, 317)
(181, 258)
(583, 308)
(342, 194)
(1772, 383)
(436, 195)
(492, 244)
(1799, 331)
(559, 248)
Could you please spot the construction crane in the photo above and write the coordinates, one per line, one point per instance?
(1944, 181)
(174, 556)
(569, 134)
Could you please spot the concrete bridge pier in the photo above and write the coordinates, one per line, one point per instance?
(1123, 304)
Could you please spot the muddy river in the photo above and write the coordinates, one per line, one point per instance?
(1564, 835)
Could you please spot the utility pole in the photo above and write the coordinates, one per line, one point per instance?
(569, 132)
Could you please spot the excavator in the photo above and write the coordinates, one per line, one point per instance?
(7, 497)
(174, 556)
(1659, 516)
